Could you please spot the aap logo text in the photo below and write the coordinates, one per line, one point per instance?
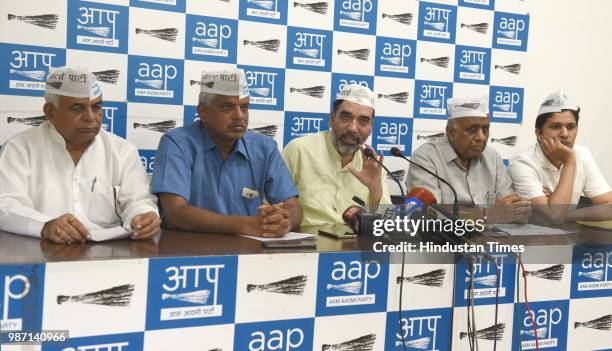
(437, 22)
(287, 335)
(430, 98)
(96, 26)
(485, 280)
(395, 57)
(114, 118)
(548, 319)
(266, 87)
(390, 132)
(211, 39)
(298, 124)
(309, 49)
(155, 80)
(419, 330)
(506, 104)
(510, 31)
(358, 16)
(21, 294)
(268, 11)
(472, 64)
(591, 271)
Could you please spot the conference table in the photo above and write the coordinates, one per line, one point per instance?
(199, 291)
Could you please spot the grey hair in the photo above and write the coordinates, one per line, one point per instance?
(52, 99)
(205, 98)
(452, 123)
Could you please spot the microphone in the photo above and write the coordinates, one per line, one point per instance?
(397, 153)
(370, 153)
(352, 212)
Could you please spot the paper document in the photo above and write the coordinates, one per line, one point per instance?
(531, 229)
(109, 234)
(288, 236)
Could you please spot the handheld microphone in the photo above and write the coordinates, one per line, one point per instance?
(397, 153)
(358, 218)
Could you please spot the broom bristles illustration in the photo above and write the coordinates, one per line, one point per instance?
(314, 53)
(401, 98)
(513, 68)
(48, 21)
(601, 323)
(503, 107)
(494, 332)
(266, 130)
(316, 91)
(266, 4)
(419, 344)
(433, 103)
(541, 332)
(260, 91)
(553, 272)
(36, 75)
(291, 286)
(394, 60)
(404, 18)
(595, 275)
(472, 68)
(356, 15)
(438, 61)
(506, 33)
(511, 141)
(153, 83)
(433, 278)
(430, 137)
(100, 31)
(30, 121)
(161, 127)
(318, 7)
(268, 45)
(359, 54)
(392, 139)
(109, 76)
(351, 288)
(208, 42)
(435, 25)
(363, 343)
(398, 175)
(477, 27)
(196, 297)
(167, 34)
(488, 280)
(116, 296)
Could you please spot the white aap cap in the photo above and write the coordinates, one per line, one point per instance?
(228, 82)
(358, 94)
(556, 102)
(73, 81)
(473, 106)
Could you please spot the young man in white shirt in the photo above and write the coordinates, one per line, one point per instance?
(66, 177)
(553, 173)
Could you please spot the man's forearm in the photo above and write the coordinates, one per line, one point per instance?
(562, 194)
(295, 214)
(194, 219)
(374, 198)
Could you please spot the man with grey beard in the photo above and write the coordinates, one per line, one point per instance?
(327, 168)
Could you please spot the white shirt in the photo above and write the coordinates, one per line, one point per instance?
(531, 171)
(39, 182)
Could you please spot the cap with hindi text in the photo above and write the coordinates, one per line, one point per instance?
(358, 94)
(227, 82)
(73, 81)
(472, 106)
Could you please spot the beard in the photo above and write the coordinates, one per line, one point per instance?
(344, 149)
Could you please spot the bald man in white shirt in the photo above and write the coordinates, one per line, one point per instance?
(67, 177)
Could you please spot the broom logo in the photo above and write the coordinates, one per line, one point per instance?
(32, 74)
(197, 297)
(264, 4)
(481, 28)
(541, 332)
(29, 121)
(271, 45)
(359, 54)
(47, 21)
(290, 286)
(441, 62)
(316, 7)
(511, 141)
(513, 68)
(99, 31)
(431, 137)
(162, 127)
(315, 91)
(434, 278)
(403, 18)
(166, 34)
(601, 323)
(400, 98)
(433, 102)
(492, 333)
(118, 296)
(594, 275)
(363, 343)
(266, 130)
(110, 76)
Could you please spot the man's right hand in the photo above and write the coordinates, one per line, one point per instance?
(555, 151)
(510, 209)
(66, 229)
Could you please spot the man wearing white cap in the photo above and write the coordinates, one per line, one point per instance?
(553, 173)
(214, 176)
(462, 158)
(67, 177)
(327, 168)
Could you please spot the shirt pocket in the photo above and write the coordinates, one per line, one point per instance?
(102, 207)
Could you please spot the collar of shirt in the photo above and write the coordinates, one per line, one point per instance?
(450, 155)
(356, 162)
(239, 146)
(543, 160)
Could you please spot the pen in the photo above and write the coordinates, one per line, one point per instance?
(93, 183)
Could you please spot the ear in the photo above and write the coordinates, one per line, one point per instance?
(202, 112)
(450, 132)
(330, 120)
(49, 111)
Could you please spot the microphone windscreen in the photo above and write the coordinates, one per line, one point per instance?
(368, 152)
(396, 152)
(424, 195)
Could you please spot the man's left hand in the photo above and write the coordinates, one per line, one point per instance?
(371, 172)
(275, 219)
(146, 225)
